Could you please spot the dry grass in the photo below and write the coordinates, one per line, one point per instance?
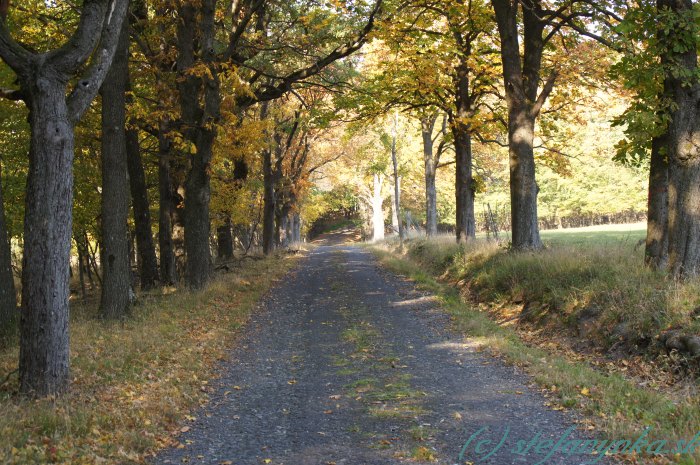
(566, 281)
(134, 382)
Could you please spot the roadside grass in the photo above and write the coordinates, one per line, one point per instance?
(590, 276)
(133, 382)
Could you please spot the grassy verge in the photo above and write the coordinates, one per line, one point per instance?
(617, 406)
(135, 382)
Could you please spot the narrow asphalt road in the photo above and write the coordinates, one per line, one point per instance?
(345, 363)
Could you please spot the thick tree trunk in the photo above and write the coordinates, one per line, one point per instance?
(283, 229)
(377, 211)
(197, 225)
(427, 126)
(200, 102)
(224, 237)
(525, 233)
(683, 146)
(168, 271)
(8, 297)
(44, 355)
(521, 80)
(656, 251)
(148, 264)
(296, 227)
(116, 272)
(44, 340)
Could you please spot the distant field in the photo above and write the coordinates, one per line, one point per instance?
(603, 234)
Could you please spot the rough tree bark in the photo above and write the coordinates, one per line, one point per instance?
(296, 227)
(465, 225)
(145, 247)
(53, 111)
(8, 296)
(683, 142)
(656, 250)
(116, 269)
(200, 102)
(521, 78)
(168, 273)
(148, 264)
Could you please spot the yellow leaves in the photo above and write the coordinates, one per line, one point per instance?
(586, 392)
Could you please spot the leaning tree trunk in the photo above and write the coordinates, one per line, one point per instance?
(116, 270)
(8, 296)
(168, 271)
(656, 250)
(148, 264)
(427, 126)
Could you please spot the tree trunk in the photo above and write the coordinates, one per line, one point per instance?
(269, 203)
(44, 341)
(392, 204)
(197, 196)
(683, 143)
(283, 228)
(148, 264)
(296, 227)
(427, 126)
(168, 272)
(116, 272)
(8, 297)
(523, 187)
(521, 80)
(464, 190)
(200, 102)
(81, 272)
(224, 237)
(465, 226)
(397, 184)
(656, 250)
(377, 212)
(53, 111)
